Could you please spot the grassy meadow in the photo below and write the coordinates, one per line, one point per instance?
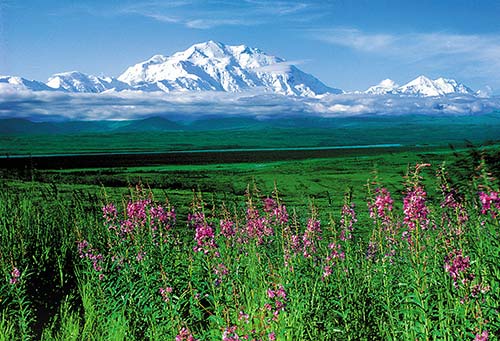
(392, 245)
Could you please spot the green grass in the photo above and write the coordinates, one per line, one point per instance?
(44, 214)
(248, 133)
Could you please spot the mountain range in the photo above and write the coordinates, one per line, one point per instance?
(213, 66)
(421, 86)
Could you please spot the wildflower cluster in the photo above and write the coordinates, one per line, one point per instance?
(335, 254)
(276, 211)
(347, 221)
(204, 233)
(257, 226)
(277, 295)
(185, 335)
(457, 267)
(381, 206)
(490, 203)
(311, 237)
(165, 293)
(453, 202)
(15, 274)
(85, 250)
(218, 276)
(383, 238)
(482, 336)
(227, 228)
(415, 209)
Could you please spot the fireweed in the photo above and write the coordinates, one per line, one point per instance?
(15, 274)
(347, 221)
(204, 233)
(384, 235)
(490, 203)
(262, 273)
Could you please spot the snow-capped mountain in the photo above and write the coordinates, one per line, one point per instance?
(215, 66)
(19, 83)
(421, 87)
(387, 86)
(425, 87)
(75, 81)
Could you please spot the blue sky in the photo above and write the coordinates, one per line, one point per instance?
(347, 44)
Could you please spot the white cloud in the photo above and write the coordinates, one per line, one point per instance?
(211, 23)
(281, 67)
(355, 39)
(53, 105)
(208, 14)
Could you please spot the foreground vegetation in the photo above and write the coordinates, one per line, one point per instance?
(403, 259)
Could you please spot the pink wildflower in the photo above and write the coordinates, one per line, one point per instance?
(85, 250)
(165, 293)
(227, 228)
(457, 266)
(382, 204)
(220, 271)
(15, 274)
(162, 218)
(136, 211)
(269, 205)
(482, 337)
(415, 210)
(333, 257)
(453, 202)
(204, 233)
(185, 335)
(109, 212)
(278, 298)
(311, 237)
(257, 227)
(347, 221)
(140, 256)
(279, 212)
(490, 203)
(295, 243)
(243, 316)
(230, 334)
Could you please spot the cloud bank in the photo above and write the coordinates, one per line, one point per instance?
(126, 105)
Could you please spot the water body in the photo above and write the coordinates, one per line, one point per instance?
(232, 150)
(197, 157)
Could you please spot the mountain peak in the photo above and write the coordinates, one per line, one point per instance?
(386, 86)
(388, 83)
(213, 65)
(423, 86)
(421, 80)
(210, 44)
(157, 58)
(20, 83)
(76, 81)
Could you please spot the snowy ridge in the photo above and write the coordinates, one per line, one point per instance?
(218, 67)
(387, 86)
(421, 87)
(19, 83)
(75, 81)
(214, 66)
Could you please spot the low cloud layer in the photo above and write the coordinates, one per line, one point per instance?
(53, 105)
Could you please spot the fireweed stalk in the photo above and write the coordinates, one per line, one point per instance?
(384, 235)
(416, 212)
(259, 273)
